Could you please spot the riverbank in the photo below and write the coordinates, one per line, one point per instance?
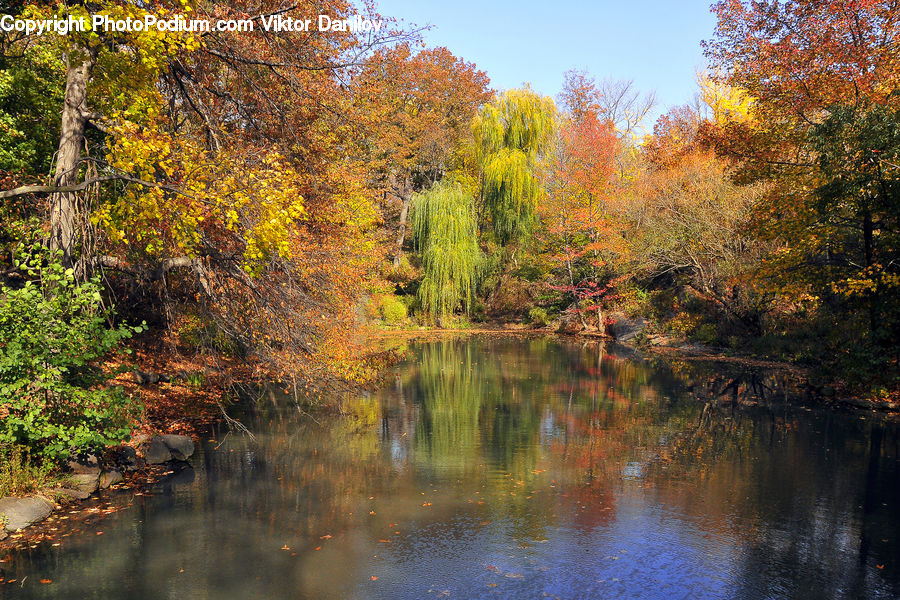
(182, 396)
(186, 396)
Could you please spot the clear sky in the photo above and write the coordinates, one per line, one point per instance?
(654, 42)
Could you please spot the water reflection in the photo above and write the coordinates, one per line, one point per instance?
(514, 469)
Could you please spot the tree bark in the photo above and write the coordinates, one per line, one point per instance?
(64, 218)
(406, 198)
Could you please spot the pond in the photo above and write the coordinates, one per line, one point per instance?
(508, 467)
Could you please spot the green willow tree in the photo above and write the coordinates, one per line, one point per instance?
(512, 137)
(446, 233)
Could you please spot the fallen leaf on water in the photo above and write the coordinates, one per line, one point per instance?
(318, 547)
(99, 533)
(492, 585)
(371, 512)
(285, 547)
(46, 581)
(374, 577)
(427, 504)
(385, 541)
(880, 566)
(327, 536)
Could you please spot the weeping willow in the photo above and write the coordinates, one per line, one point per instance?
(445, 230)
(512, 135)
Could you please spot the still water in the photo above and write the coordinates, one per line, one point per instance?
(512, 468)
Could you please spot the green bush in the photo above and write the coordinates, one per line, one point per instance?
(539, 316)
(706, 334)
(393, 310)
(54, 334)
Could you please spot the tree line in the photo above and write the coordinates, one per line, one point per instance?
(261, 193)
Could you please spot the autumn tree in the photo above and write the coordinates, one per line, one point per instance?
(823, 76)
(693, 227)
(225, 168)
(419, 109)
(579, 210)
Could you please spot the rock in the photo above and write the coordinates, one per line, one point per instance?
(76, 494)
(626, 329)
(181, 446)
(86, 482)
(125, 457)
(142, 378)
(19, 513)
(163, 448)
(156, 452)
(85, 464)
(3, 535)
(111, 477)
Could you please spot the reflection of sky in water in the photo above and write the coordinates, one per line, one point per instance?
(645, 553)
(507, 469)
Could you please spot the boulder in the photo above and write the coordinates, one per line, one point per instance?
(76, 494)
(111, 477)
(18, 513)
(86, 482)
(156, 452)
(181, 446)
(85, 464)
(624, 329)
(126, 457)
(163, 448)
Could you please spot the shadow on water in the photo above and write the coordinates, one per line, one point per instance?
(511, 468)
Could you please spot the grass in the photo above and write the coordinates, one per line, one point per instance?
(20, 476)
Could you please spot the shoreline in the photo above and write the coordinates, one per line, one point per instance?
(174, 406)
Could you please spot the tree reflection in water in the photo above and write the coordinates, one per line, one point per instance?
(531, 465)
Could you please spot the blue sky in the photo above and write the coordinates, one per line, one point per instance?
(655, 43)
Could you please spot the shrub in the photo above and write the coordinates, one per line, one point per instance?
(393, 310)
(53, 334)
(19, 475)
(539, 316)
(706, 334)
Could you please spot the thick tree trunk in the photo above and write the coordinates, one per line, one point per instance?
(64, 218)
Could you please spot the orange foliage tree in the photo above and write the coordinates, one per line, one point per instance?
(824, 76)
(579, 210)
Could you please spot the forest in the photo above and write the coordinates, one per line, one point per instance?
(278, 198)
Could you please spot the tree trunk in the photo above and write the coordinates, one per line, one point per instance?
(64, 218)
(406, 198)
